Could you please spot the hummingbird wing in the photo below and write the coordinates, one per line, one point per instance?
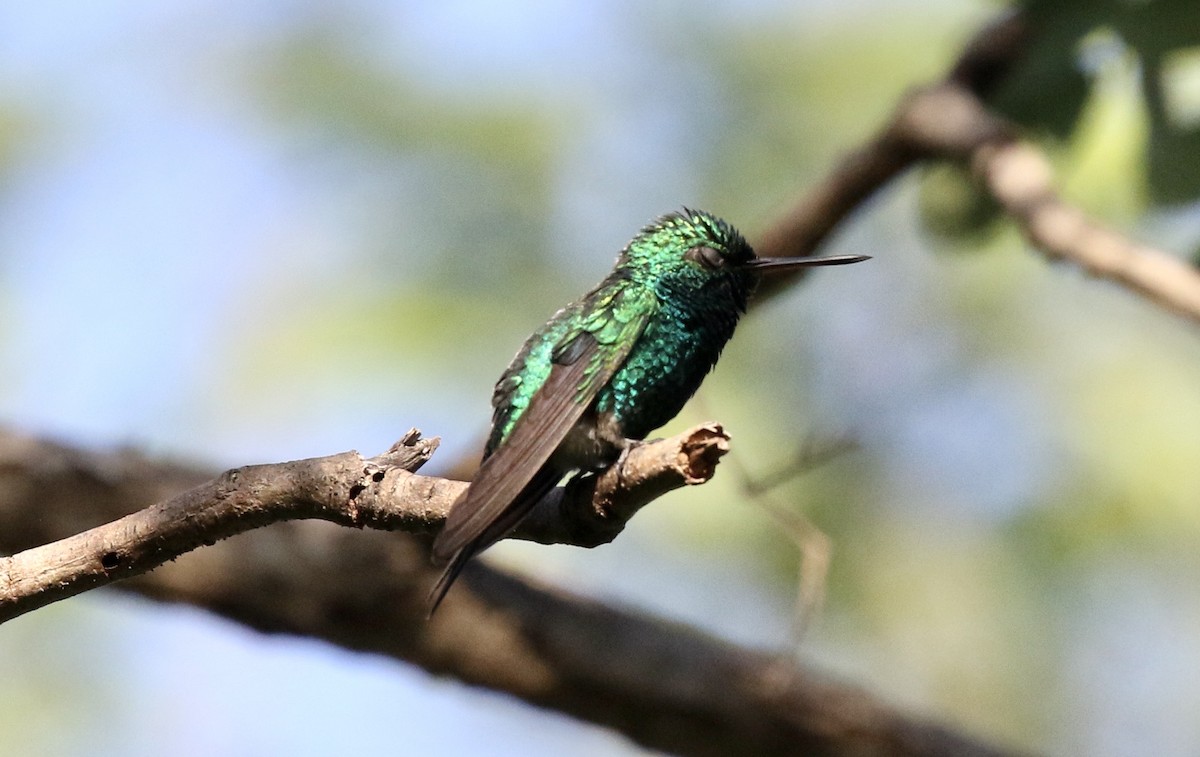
(516, 474)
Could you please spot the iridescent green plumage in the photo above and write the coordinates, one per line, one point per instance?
(609, 368)
(677, 315)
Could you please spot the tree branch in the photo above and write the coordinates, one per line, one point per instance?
(900, 144)
(950, 120)
(346, 489)
(664, 685)
(1019, 178)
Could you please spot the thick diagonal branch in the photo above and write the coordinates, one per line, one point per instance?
(667, 686)
(380, 492)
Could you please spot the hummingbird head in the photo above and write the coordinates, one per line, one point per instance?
(691, 251)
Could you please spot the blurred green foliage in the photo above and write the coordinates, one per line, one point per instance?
(15, 131)
(1080, 56)
(487, 160)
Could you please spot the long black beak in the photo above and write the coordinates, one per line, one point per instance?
(780, 265)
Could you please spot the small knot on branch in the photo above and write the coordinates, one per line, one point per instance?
(410, 452)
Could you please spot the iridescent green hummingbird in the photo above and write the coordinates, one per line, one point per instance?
(606, 371)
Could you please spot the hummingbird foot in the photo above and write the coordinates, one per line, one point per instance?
(627, 447)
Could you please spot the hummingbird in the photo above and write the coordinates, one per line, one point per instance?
(607, 370)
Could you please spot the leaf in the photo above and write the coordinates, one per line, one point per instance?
(1047, 89)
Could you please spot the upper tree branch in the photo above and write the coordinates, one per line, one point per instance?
(949, 120)
(380, 492)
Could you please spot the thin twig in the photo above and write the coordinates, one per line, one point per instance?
(808, 456)
(812, 544)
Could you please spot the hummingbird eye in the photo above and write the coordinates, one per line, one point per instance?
(707, 257)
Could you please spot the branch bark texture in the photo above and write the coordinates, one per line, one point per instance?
(380, 492)
(664, 685)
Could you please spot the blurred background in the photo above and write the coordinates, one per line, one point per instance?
(237, 232)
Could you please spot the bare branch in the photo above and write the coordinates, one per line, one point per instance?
(950, 121)
(667, 686)
(347, 489)
(1019, 177)
(900, 144)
